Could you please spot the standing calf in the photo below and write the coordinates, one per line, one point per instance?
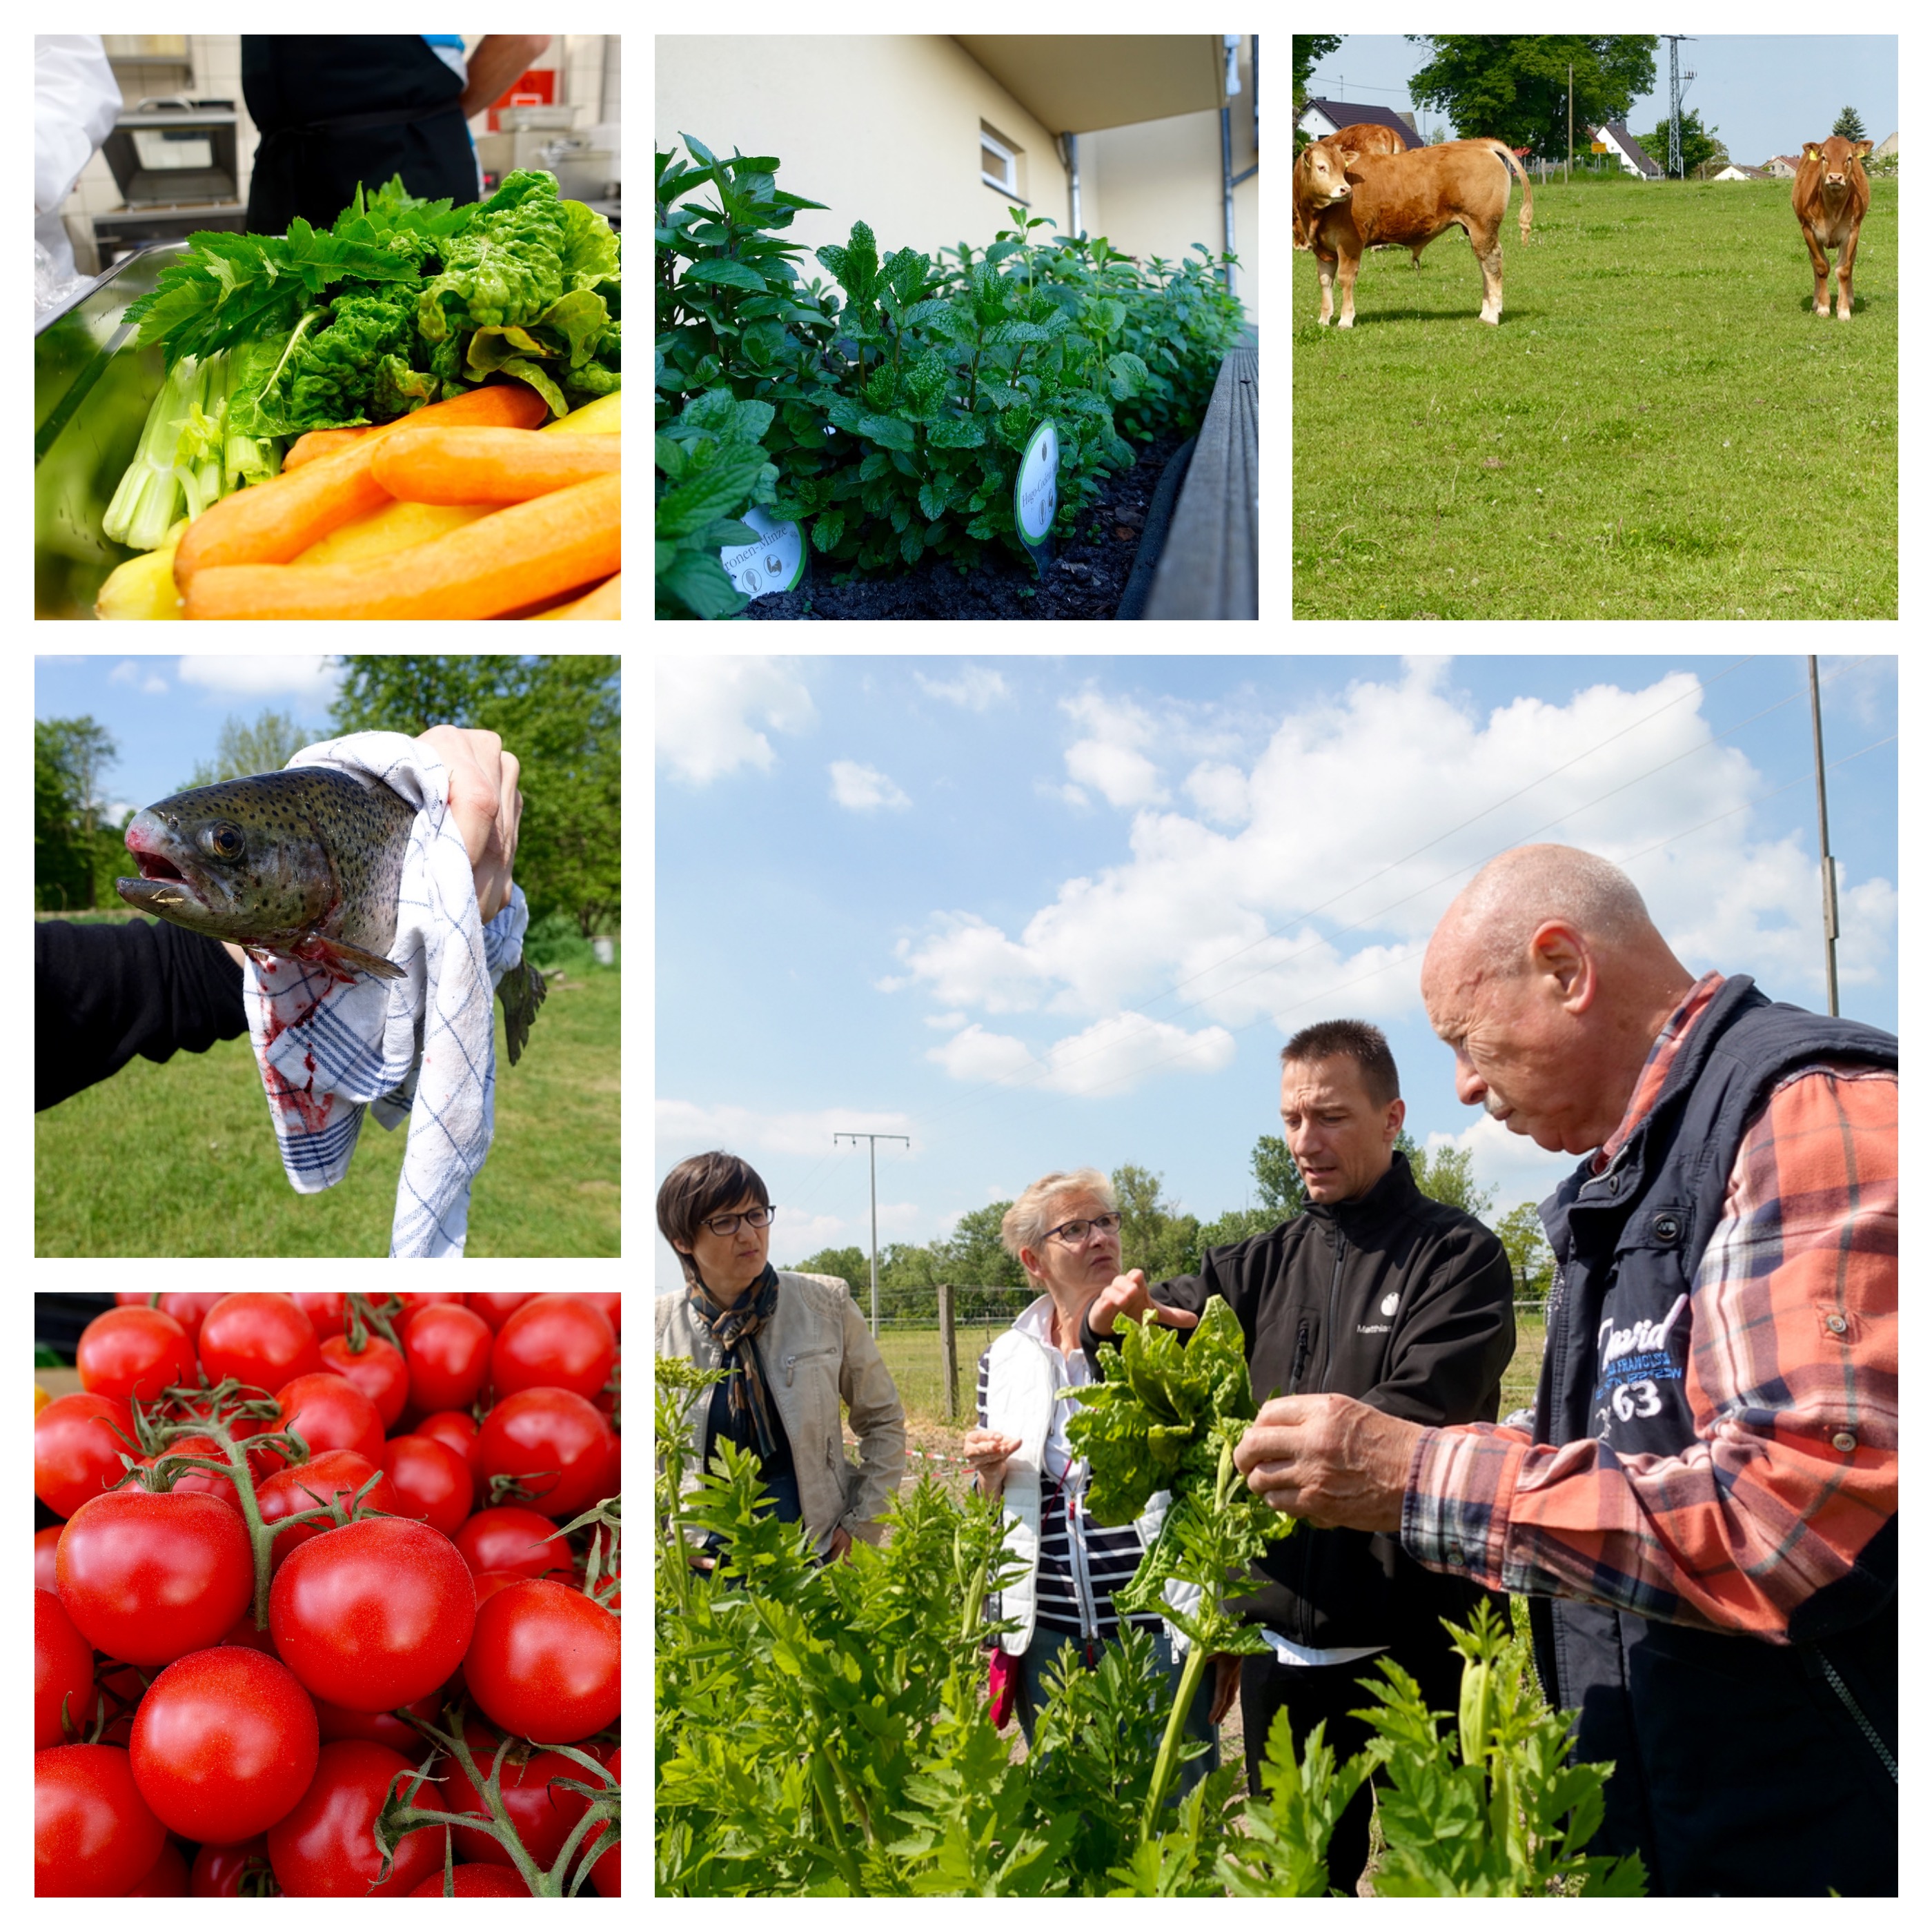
(1830, 197)
(1355, 201)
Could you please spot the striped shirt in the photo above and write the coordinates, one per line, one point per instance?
(1793, 1379)
(1074, 1548)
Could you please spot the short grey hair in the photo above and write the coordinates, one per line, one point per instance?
(1502, 906)
(1025, 1222)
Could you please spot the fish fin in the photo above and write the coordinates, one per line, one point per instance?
(363, 962)
(521, 990)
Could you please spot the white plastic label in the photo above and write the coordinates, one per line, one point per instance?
(774, 563)
(1036, 490)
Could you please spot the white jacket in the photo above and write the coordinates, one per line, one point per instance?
(1023, 1377)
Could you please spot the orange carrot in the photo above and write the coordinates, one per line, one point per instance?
(602, 602)
(514, 557)
(490, 466)
(270, 522)
(320, 442)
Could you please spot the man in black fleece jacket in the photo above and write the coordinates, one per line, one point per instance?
(1374, 1291)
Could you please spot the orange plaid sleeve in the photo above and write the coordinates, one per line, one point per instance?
(1793, 1382)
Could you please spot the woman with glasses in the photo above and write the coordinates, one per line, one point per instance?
(1065, 1231)
(798, 1348)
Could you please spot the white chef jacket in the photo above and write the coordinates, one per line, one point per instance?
(75, 101)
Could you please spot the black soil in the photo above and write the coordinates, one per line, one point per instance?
(1084, 580)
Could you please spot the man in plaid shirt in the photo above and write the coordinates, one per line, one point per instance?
(1705, 1514)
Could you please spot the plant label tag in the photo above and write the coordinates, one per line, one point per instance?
(1037, 494)
(775, 563)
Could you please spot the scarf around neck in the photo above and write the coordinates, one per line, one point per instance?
(735, 1331)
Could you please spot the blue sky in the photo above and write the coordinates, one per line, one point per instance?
(165, 713)
(1764, 93)
(1039, 912)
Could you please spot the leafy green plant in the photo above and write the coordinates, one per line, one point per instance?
(901, 406)
(711, 467)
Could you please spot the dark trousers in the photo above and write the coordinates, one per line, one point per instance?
(1325, 1694)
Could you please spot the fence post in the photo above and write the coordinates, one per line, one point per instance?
(949, 1352)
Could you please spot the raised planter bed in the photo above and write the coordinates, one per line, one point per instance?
(1210, 566)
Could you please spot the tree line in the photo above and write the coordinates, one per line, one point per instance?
(1159, 1237)
(560, 715)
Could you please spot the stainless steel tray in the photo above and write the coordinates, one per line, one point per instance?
(92, 387)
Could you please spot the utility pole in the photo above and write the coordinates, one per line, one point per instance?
(1571, 148)
(1825, 852)
(874, 1139)
(1676, 170)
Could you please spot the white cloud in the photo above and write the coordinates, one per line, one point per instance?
(708, 710)
(1365, 814)
(976, 688)
(685, 1127)
(151, 682)
(1112, 1056)
(946, 1022)
(1110, 758)
(1513, 1164)
(310, 677)
(860, 788)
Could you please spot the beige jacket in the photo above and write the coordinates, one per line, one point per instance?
(817, 1353)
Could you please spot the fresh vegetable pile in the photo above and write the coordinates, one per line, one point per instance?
(894, 423)
(283, 1640)
(503, 315)
(825, 1730)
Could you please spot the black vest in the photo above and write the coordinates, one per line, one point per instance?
(1743, 1767)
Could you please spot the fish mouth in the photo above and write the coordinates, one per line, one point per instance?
(154, 866)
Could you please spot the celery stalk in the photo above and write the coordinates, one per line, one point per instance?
(148, 498)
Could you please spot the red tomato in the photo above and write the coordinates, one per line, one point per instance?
(544, 1664)
(554, 1443)
(244, 1636)
(609, 1301)
(374, 1616)
(134, 1351)
(94, 1836)
(224, 1744)
(265, 1340)
(46, 1542)
(452, 1427)
(379, 1371)
(476, 1881)
(431, 1480)
(557, 1341)
(63, 1673)
(77, 1449)
(148, 1579)
(606, 1874)
(187, 1309)
(325, 1847)
(381, 1727)
(543, 1817)
(448, 1352)
(328, 1313)
(166, 1878)
(496, 1309)
(329, 1411)
(199, 1482)
(509, 1538)
(233, 1871)
(335, 1476)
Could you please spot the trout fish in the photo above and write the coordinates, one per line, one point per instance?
(306, 863)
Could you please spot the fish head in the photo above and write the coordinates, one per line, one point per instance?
(234, 861)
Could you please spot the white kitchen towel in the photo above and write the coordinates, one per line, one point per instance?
(421, 1049)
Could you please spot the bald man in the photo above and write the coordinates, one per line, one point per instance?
(1704, 1515)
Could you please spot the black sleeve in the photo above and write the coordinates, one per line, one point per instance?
(1457, 1340)
(103, 994)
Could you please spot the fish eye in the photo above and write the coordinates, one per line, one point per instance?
(222, 841)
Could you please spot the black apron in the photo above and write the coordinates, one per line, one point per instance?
(334, 110)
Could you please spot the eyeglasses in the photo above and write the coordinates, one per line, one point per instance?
(752, 1217)
(1074, 1234)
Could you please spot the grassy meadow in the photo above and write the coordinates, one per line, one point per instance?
(1660, 428)
(180, 1158)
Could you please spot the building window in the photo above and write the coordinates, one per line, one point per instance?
(999, 164)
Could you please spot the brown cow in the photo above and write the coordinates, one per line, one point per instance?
(1830, 195)
(1356, 201)
(1365, 137)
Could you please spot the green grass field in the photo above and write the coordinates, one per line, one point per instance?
(912, 1355)
(1660, 428)
(180, 1159)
